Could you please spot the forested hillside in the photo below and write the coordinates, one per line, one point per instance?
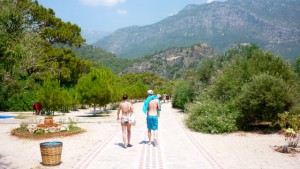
(169, 64)
(172, 63)
(101, 57)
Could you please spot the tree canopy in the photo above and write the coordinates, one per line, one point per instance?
(30, 52)
(96, 87)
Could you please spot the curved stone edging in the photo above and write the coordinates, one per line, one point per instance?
(52, 135)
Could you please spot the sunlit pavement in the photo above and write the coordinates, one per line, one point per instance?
(176, 148)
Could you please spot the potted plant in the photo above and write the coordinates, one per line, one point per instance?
(48, 120)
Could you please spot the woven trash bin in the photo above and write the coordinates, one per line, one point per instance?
(51, 153)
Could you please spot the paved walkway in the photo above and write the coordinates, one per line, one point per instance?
(177, 147)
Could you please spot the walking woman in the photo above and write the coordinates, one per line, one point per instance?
(127, 110)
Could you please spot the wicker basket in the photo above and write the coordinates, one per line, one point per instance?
(51, 153)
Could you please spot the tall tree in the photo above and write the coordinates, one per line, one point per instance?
(51, 96)
(96, 87)
(31, 50)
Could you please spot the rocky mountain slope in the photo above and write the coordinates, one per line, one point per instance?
(272, 24)
(172, 63)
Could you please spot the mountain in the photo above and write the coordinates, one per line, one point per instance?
(172, 63)
(272, 24)
(91, 36)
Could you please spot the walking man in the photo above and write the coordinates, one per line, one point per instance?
(127, 110)
(152, 109)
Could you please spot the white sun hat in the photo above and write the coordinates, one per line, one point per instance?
(150, 92)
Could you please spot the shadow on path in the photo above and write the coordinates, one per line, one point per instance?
(94, 115)
(5, 165)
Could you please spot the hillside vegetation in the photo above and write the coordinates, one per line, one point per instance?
(102, 58)
(172, 63)
(242, 87)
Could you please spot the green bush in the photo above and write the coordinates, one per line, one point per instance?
(249, 63)
(253, 86)
(182, 94)
(289, 120)
(264, 97)
(18, 95)
(211, 117)
(21, 101)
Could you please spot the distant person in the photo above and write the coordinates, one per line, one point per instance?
(159, 97)
(152, 109)
(164, 97)
(127, 110)
(167, 98)
(37, 106)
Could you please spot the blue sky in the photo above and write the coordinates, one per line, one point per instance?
(110, 15)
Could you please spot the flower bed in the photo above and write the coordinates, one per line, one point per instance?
(37, 130)
(45, 128)
(25, 134)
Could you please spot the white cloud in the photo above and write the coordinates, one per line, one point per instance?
(102, 2)
(209, 1)
(122, 11)
(171, 14)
